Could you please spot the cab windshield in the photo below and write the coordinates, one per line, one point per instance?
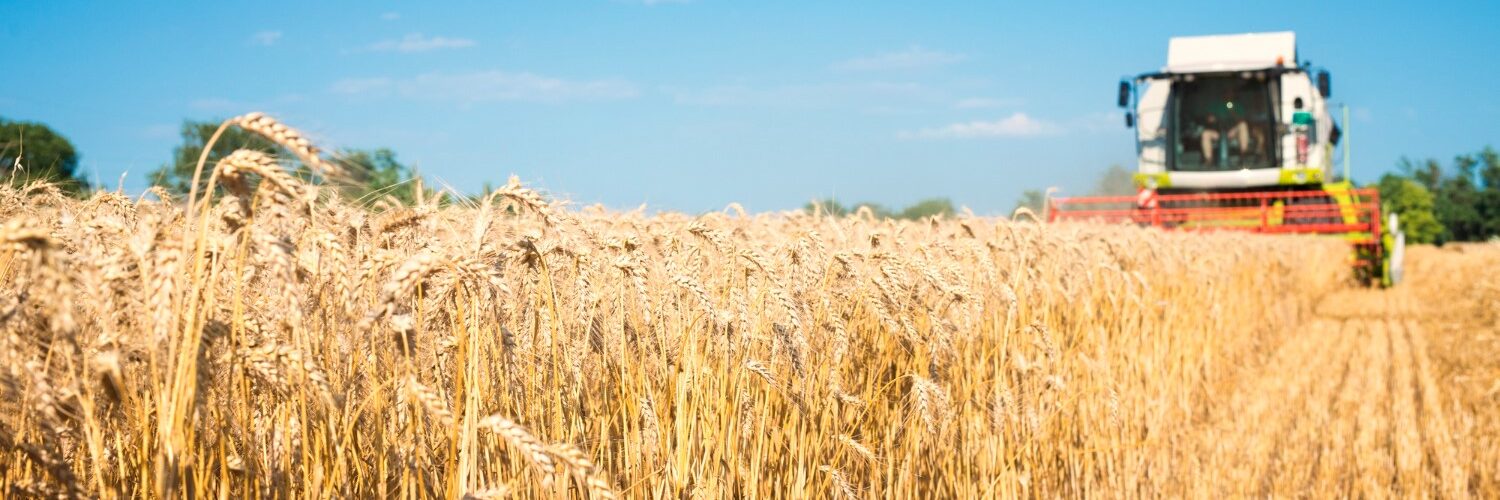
(1222, 123)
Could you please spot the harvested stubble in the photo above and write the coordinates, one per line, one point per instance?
(512, 346)
(1458, 291)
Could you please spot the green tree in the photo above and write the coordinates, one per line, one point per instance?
(827, 206)
(374, 174)
(921, 209)
(1489, 168)
(879, 210)
(177, 175)
(831, 206)
(1429, 172)
(1489, 198)
(1466, 198)
(41, 154)
(1457, 202)
(927, 208)
(377, 174)
(1116, 181)
(1413, 204)
(1032, 199)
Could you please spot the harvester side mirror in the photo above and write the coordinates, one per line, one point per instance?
(1124, 94)
(1129, 120)
(1325, 84)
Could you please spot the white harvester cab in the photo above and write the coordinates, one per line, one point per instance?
(1232, 112)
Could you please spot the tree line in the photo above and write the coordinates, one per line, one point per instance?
(1439, 204)
(920, 210)
(1436, 204)
(1115, 181)
(31, 151)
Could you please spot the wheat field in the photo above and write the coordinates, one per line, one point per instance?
(266, 338)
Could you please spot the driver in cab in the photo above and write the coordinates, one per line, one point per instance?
(1231, 111)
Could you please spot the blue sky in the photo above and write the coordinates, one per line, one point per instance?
(692, 105)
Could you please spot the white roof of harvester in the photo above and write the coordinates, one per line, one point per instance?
(1198, 54)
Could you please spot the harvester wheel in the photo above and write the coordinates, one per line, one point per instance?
(1371, 264)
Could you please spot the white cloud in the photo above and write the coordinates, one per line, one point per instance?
(390, 16)
(417, 42)
(265, 38)
(914, 57)
(487, 86)
(1015, 125)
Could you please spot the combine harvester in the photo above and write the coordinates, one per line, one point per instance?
(1235, 134)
